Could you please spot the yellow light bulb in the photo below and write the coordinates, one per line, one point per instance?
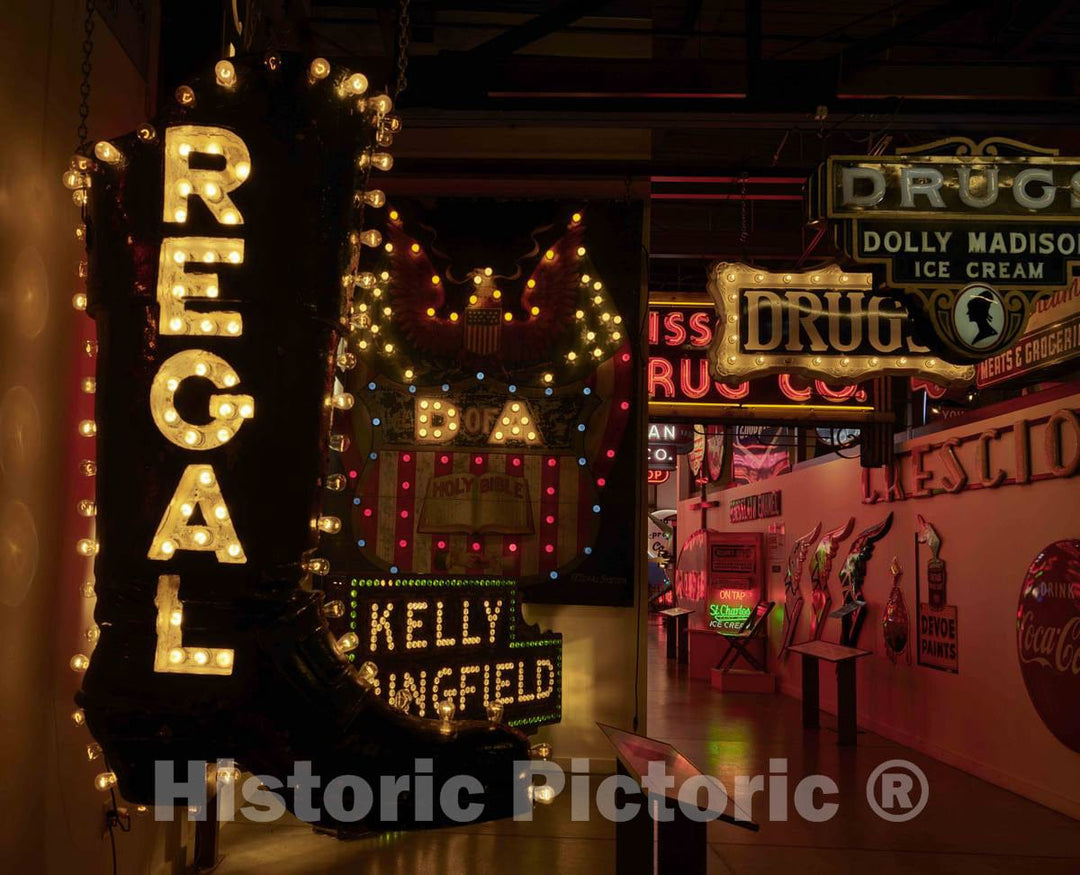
(331, 525)
(107, 152)
(80, 662)
(78, 301)
(105, 781)
(356, 84)
(319, 69)
(225, 73)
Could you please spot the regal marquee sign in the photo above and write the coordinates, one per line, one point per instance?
(973, 234)
(824, 324)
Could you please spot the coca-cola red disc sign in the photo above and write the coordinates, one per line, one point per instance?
(1048, 638)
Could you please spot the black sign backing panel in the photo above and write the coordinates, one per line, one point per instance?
(498, 425)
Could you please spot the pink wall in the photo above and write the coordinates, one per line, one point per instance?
(981, 719)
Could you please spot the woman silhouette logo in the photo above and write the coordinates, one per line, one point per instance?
(979, 316)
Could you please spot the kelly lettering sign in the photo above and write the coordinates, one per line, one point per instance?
(681, 329)
(461, 639)
(824, 324)
(755, 507)
(973, 233)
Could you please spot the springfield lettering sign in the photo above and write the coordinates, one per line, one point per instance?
(974, 234)
(824, 324)
(461, 639)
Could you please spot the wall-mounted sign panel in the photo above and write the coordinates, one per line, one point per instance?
(974, 233)
(823, 324)
(1052, 337)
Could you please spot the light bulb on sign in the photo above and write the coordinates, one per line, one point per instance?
(225, 73)
(331, 525)
(105, 781)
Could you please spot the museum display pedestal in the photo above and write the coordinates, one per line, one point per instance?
(741, 681)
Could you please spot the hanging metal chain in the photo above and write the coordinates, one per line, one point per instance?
(744, 217)
(402, 48)
(83, 132)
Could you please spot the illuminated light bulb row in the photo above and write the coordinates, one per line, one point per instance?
(411, 625)
(201, 657)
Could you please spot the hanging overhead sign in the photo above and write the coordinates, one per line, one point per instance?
(822, 324)
(681, 329)
(973, 233)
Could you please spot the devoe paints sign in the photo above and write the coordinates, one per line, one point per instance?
(1048, 638)
(497, 430)
(456, 638)
(974, 234)
(1027, 451)
(824, 324)
(679, 383)
(1052, 338)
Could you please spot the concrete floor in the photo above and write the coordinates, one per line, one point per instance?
(966, 826)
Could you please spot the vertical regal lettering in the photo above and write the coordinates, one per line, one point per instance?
(187, 269)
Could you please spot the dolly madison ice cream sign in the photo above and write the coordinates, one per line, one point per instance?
(974, 234)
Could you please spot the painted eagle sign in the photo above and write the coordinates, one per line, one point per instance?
(973, 234)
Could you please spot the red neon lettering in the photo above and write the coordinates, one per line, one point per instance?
(700, 325)
(790, 391)
(673, 325)
(660, 374)
(701, 390)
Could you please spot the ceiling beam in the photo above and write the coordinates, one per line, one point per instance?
(919, 24)
(556, 18)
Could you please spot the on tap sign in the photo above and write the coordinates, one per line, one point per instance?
(460, 639)
(973, 233)
(681, 386)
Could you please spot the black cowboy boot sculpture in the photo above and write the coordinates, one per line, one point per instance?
(224, 241)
